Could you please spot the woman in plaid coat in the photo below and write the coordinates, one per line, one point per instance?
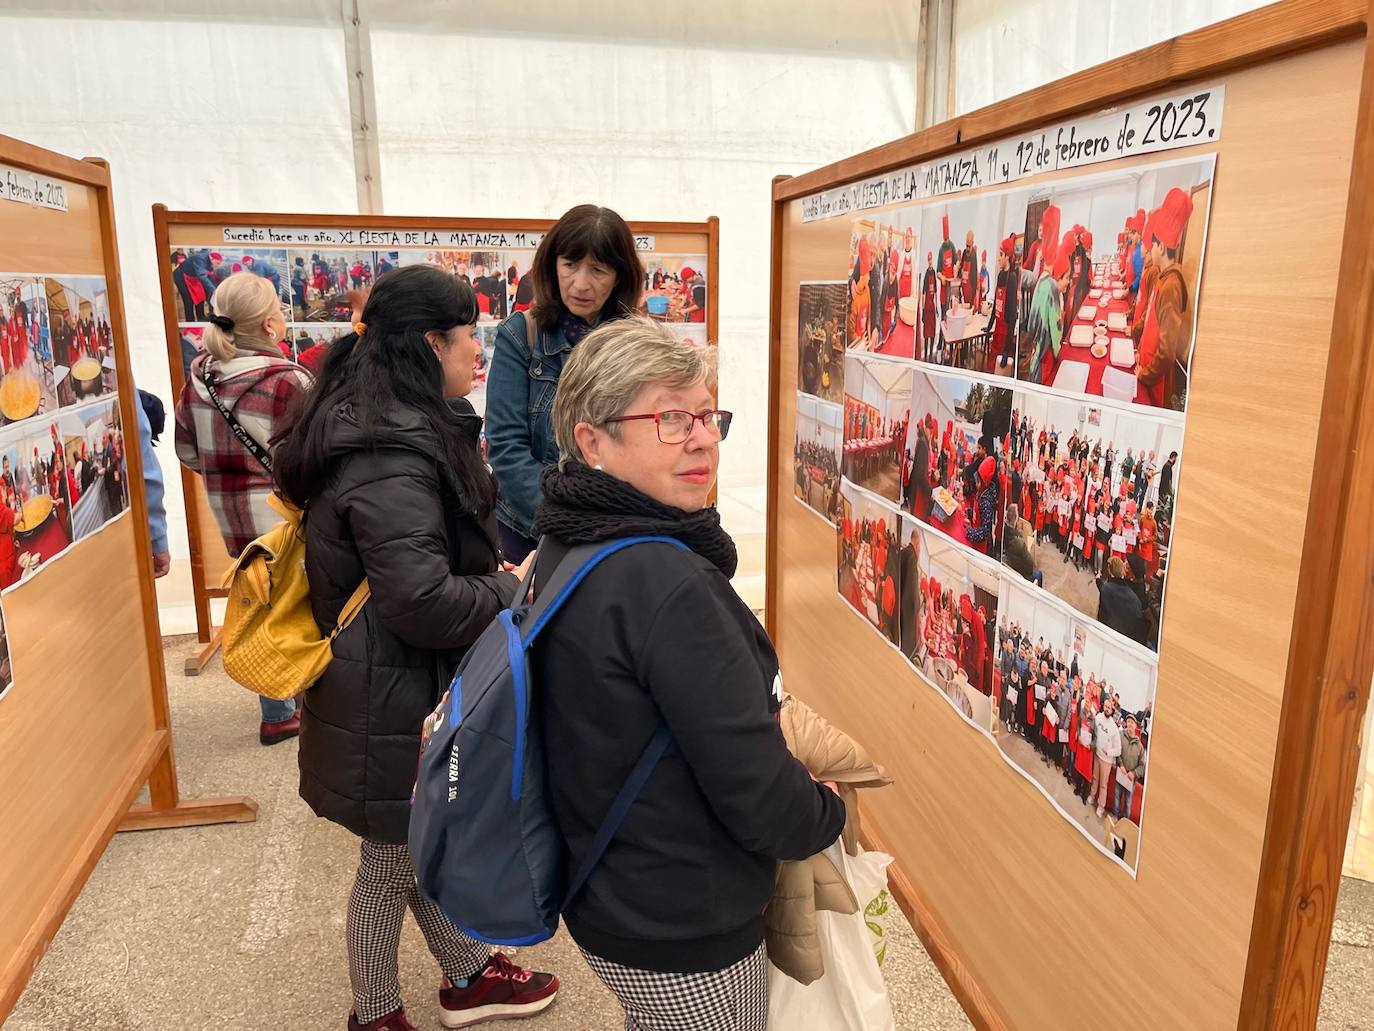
(256, 385)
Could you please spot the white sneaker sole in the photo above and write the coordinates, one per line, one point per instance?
(470, 1018)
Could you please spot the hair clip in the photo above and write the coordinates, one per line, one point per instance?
(358, 327)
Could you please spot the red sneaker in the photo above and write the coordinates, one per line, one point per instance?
(502, 991)
(391, 1022)
(282, 730)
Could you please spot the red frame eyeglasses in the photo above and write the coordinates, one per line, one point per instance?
(716, 421)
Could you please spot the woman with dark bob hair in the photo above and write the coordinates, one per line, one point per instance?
(586, 272)
(383, 459)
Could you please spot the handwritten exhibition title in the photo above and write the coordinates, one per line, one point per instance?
(27, 188)
(370, 236)
(1165, 124)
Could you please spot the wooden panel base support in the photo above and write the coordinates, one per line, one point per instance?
(194, 813)
(200, 658)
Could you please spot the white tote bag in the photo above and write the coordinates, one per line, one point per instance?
(851, 996)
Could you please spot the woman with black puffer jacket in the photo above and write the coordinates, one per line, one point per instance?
(383, 458)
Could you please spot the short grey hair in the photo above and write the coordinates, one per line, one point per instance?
(611, 365)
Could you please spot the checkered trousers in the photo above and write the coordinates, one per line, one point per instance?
(384, 887)
(733, 999)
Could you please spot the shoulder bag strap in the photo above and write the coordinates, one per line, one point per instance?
(352, 607)
(250, 445)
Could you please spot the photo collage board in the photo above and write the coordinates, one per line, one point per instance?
(991, 413)
(62, 469)
(321, 283)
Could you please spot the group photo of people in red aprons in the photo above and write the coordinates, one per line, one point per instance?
(1092, 492)
(881, 292)
(968, 299)
(35, 498)
(952, 465)
(79, 338)
(868, 559)
(1109, 275)
(816, 456)
(27, 384)
(955, 620)
(877, 407)
(820, 340)
(1073, 713)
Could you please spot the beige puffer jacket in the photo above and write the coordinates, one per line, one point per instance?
(805, 886)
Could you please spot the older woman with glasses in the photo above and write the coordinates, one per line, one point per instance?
(671, 919)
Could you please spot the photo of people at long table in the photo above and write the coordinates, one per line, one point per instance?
(1110, 270)
(1092, 494)
(816, 456)
(869, 561)
(1074, 713)
(952, 601)
(877, 406)
(953, 469)
(820, 340)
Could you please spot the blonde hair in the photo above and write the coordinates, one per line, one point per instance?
(610, 366)
(247, 300)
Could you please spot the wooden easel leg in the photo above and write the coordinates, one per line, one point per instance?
(199, 659)
(168, 809)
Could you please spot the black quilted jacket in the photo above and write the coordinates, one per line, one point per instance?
(394, 513)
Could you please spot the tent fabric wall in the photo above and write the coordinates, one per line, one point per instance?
(661, 113)
(1002, 49)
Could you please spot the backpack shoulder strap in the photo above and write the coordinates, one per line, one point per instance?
(531, 331)
(571, 571)
(620, 808)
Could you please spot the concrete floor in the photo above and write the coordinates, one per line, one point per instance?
(239, 928)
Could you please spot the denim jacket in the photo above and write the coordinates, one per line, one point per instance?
(520, 439)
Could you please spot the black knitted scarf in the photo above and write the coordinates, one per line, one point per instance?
(587, 506)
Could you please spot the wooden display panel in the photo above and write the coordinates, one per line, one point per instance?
(209, 558)
(1265, 663)
(85, 725)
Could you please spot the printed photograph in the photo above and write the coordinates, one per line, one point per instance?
(92, 452)
(27, 383)
(326, 283)
(1074, 713)
(6, 670)
(484, 271)
(35, 507)
(965, 318)
(83, 351)
(1091, 507)
(309, 342)
(877, 405)
(953, 616)
(196, 271)
(674, 287)
(953, 462)
(820, 340)
(486, 336)
(868, 559)
(1110, 281)
(816, 457)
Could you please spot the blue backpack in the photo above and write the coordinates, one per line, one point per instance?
(483, 839)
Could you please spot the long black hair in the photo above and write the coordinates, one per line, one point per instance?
(391, 364)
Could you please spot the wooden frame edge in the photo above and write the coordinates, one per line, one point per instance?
(772, 488)
(86, 171)
(1282, 28)
(1331, 653)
